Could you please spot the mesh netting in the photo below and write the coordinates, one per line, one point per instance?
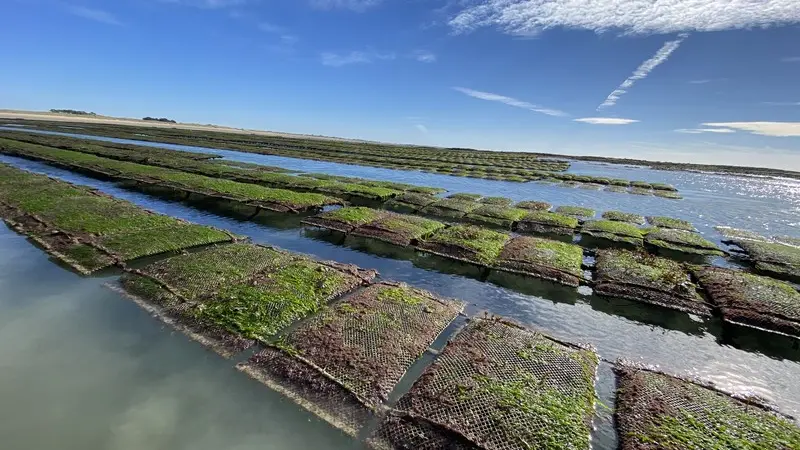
(466, 243)
(773, 258)
(551, 260)
(643, 277)
(752, 300)
(497, 386)
(344, 363)
(659, 411)
(547, 222)
(454, 208)
(345, 219)
(681, 241)
(250, 300)
(399, 229)
(74, 224)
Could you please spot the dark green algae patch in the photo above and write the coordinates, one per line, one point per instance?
(547, 222)
(773, 259)
(496, 216)
(230, 297)
(614, 231)
(410, 202)
(89, 230)
(752, 300)
(345, 219)
(659, 411)
(343, 363)
(680, 241)
(497, 385)
(542, 258)
(646, 278)
(399, 229)
(466, 243)
(451, 208)
(576, 211)
(669, 222)
(620, 216)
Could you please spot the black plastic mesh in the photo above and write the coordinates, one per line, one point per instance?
(497, 386)
(343, 364)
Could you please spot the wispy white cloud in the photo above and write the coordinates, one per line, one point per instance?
(606, 121)
(530, 17)
(704, 130)
(210, 4)
(510, 101)
(643, 71)
(781, 103)
(422, 128)
(333, 59)
(791, 59)
(424, 56)
(353, 5)
(699, 81)
(94, 14)
(269, 27)
(779, 129)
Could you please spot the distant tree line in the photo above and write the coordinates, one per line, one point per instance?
(162, 119)
(72, 111)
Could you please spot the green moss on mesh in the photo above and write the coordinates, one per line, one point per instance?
(136, 244)
(544, 258)
(499, 201)
(552, 219)
(670, 222)
(496, 215)
(402, 294)
(483, 245)
(351, 215)
(619, 216)
(658, 411)
(416, 199)
(575, 211)
(534, 205)
(88, 257)
(641, 184)
(451, 207)
(639, 191)
(667, 194)
(681, 241)
(773, 258)
(258, 310)
(465, 196)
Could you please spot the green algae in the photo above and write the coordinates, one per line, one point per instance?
(613, 231)
(681, 241)
(575, 211)
(659, 411)
(499, 201)
(139, 243)
(544, 258)
(451, 208)
(619, 216)
(399, 229)
(670, 222)
(465, 196)
(279, 298)
(534, 205)
(773, 258)
(466, 242)
(501, 216)
(352, 215)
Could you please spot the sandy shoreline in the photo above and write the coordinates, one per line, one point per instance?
(107, 120)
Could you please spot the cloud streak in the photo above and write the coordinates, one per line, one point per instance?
(333, 59)
(510, 101)
(605, 121)
(704, 130)
(643, 71)
(424, 56)
(791, 59)
(777, 129)
(353, 5)
(531, 17)
(96, 15)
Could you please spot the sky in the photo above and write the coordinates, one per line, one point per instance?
(707, 81)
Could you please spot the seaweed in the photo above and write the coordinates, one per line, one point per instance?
(534, 205)
(466, 243)
(547, 222)
(497, 386)
(656, 410)
(344, 219)
(752, 300)
(543, 258)
(773, 258)
(649, 279)
(398, 229)
(670, 222)
(453, 208)
(499, 216)
(576, 211)
(343, 364)
(680, 241)
(619, 216)
(618, 232)
(498, 201)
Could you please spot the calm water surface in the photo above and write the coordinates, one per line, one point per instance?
(83, 368)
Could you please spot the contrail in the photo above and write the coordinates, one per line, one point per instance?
(643, 70)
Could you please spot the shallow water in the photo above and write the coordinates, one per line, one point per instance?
(112, 377)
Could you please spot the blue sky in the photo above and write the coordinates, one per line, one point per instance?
(712, 81)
